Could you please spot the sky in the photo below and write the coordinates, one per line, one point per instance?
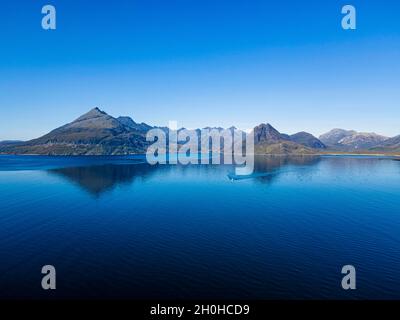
(201, 63)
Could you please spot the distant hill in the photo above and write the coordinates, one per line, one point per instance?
(308, 140)
(350, 140)
(10, 142)
(333, 137)
(363, 140)
(389, 145)
(128, 122)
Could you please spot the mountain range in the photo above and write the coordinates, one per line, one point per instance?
(350, 140)
(97, 133)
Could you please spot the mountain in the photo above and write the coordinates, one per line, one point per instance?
(362, 141)
(93, 133)
(97, 133)
(10, 142)
(350, 140)
(267, 134)
(389, 145)
(268, 140)
(128, 122)
(308, 140)
(333, 137)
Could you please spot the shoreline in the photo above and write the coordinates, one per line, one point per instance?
(256, 154)
(362, 154)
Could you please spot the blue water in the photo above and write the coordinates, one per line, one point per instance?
(115, 227)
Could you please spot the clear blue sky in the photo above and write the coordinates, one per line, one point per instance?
(201, 62)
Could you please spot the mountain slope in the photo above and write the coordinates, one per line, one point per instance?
(389, 145)
(128, 122)
(267, 134)
(97, 133)
(93, 133)
(307, 139)
(333, 137)
(283, 148)
(6, 143)
(362, 140)
(268, 140)
(350, 140)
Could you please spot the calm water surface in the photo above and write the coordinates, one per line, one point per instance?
(115, 227)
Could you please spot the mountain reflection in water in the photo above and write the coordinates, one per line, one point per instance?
(117, 227)
(98, 179)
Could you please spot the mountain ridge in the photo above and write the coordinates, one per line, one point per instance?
(98, 133)
(348, 140)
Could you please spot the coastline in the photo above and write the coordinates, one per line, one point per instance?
(362, 154)
(256, 154)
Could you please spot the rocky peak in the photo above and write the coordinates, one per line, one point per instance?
(267, 133)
